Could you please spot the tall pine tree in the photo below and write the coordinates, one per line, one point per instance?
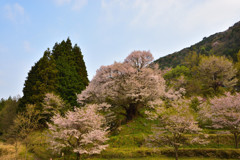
(61, 71)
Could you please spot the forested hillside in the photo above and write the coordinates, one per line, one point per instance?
(225, 43)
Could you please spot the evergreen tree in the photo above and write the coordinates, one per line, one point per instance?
(41, 79)
(61, 71)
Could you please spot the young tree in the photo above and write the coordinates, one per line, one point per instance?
(176, 121)
(224, 112)
(81, 130)
(53, 104)
(216, 72)
(25, 123)
(127, 86)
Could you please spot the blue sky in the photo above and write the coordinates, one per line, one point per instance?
(105, 30)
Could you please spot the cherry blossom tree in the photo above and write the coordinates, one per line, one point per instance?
(139, 59)
(53, 104)
(174, 123)
(81, 130)
(224, 112)
(127, 87)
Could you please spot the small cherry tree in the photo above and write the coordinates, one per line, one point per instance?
(81, 130)
(224, 113)
(52, 104)
(175, 121)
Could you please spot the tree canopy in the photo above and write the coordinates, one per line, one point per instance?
(61, 71)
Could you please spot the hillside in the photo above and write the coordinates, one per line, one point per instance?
(223, 43)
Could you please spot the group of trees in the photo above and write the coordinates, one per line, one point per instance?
(8, 110)
(51, 88)
(203, 75)
(213, 78)
(61, 71)
(80, 119)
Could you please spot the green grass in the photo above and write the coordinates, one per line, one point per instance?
(161, 158)
(129, 142)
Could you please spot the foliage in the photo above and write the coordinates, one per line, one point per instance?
(41, 79)
(8, 113)
(24, 124)
(72, 74)
(224, 112)
(177, 77)
(61, 71)
(216, 72)
(81, 131)
(237, 66)
(195, 104)
(53, 104)
(127, 87)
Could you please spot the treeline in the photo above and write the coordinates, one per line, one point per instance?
(8, 111)
(206, 76)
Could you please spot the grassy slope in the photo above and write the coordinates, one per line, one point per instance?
(129, 142)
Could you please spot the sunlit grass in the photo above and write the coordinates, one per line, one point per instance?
(161, 158)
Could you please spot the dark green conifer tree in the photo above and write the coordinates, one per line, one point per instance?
(72, 73)
(41, 79)
(61, 71)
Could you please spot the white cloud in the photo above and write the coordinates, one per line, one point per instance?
(213, 13)
(75, 4)
(181, 14)
(27, 46)
(78, 4)
(15, 13)
(61, 2)
(145, 13)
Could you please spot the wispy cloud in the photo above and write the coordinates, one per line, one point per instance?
(61, 2)
(27, 46)
(161, 13)
(76, 5)
(15, 13)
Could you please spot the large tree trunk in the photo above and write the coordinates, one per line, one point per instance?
(133, 111)
(78, 156)
(236, 140)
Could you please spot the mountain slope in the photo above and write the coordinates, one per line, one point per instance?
(225, 43)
